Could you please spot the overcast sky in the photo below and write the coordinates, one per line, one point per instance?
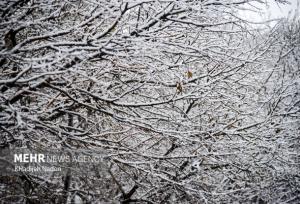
(272, 11)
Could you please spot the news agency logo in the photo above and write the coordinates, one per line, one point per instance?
(39, 161)
(29, 158)
(42, 158)
(32, 162)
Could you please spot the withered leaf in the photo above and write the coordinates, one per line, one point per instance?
(179, 87)
(189, 74)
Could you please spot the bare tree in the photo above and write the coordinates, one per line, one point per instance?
(189, 103)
